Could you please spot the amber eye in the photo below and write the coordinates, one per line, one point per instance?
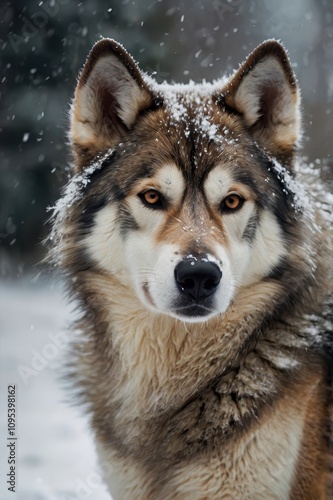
(232, 202)
(152, 197)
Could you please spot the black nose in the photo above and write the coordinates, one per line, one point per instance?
(197, 278)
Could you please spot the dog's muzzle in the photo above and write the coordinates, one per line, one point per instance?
(197, 280)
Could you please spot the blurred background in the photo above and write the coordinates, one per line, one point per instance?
(43, 45)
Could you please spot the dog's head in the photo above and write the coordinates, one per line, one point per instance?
(190, 203)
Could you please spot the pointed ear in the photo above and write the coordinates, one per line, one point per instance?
(108, 98)
(264, 91)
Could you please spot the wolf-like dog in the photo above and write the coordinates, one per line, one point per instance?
(197, 246)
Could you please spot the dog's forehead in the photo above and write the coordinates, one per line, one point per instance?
(196, 118)
(194, 133)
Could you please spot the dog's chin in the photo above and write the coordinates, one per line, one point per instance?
(192, 314)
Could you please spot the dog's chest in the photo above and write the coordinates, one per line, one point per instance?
(219, 445)
(258, 465)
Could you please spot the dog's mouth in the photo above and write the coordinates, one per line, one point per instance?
(192, 311)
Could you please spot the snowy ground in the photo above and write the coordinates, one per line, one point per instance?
(55, 452)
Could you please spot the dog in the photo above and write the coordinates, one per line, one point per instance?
(197, 246)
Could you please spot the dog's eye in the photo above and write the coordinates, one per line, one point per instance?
(232, 203)
(151, 198)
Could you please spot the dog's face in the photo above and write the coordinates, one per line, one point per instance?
(187, 207)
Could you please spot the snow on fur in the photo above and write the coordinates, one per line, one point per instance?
(178, 98)
(75, 186)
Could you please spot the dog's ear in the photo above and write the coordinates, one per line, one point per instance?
(264, 92)
(108, 98)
